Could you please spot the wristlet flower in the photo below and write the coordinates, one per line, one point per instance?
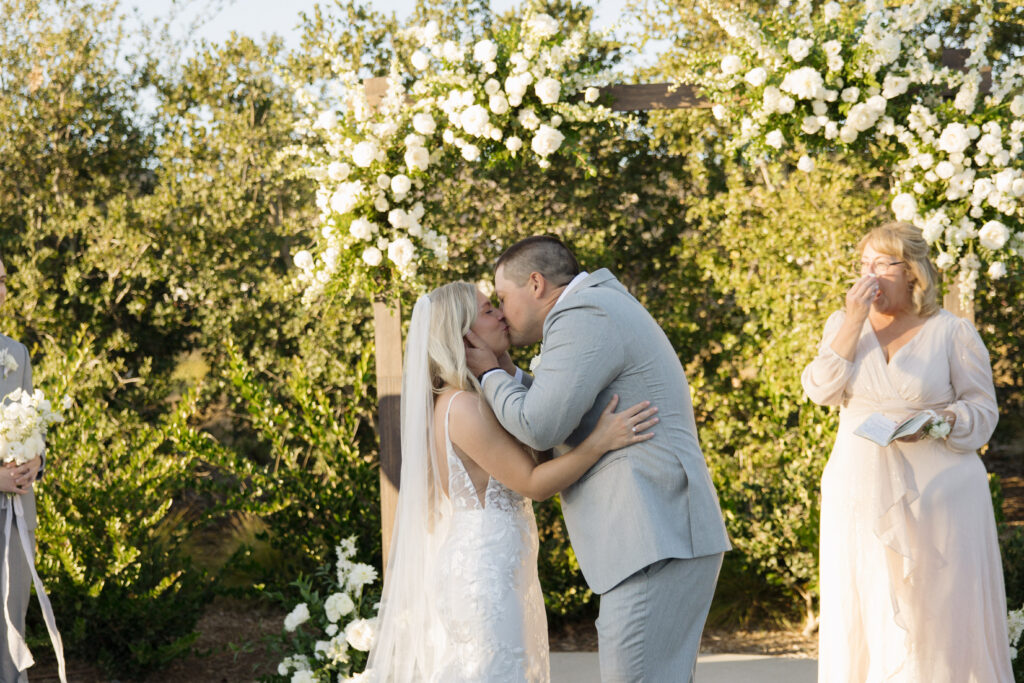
(939, 428)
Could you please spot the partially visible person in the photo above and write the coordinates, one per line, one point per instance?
(462, 601)
(911, 579)
(15, 480)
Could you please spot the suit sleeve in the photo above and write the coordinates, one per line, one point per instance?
(26, 385)
(583, 353)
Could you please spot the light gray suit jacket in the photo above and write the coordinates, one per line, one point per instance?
(639, 504)
(20, 378)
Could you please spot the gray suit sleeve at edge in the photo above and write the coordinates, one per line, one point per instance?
(582, 355)
(26, 385)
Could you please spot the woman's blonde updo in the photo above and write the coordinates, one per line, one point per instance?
(453, 310)
(905, 242)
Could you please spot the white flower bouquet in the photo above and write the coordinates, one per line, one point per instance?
(24, 420)
(515, 96)
(867, 77)
(329, 638)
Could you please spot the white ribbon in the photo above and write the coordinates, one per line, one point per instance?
(15, 639)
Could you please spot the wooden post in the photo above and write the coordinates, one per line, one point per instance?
(951, 301)
(387, 335)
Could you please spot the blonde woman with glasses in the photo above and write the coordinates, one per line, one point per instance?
(911, 579)
(462, 601)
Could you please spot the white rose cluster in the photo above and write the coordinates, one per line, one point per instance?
(25, 418)
(465, 102)
(875, 86)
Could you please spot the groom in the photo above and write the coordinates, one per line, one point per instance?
(644, 521)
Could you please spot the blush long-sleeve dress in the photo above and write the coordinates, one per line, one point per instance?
(911, 578)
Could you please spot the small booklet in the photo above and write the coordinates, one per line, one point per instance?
(883, 431)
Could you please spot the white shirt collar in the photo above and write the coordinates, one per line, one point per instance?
(572, 284)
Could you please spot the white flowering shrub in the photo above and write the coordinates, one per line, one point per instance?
(521, 95)
(327, 637)
(1015, 627)
(869, 78)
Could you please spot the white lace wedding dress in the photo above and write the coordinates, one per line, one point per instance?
(490, 600)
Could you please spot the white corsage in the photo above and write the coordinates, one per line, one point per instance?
(939, 428)
(7, 362)
(534, 362)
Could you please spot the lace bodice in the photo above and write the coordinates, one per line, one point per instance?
(491, 603)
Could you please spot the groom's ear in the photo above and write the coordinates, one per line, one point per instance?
(538, 285)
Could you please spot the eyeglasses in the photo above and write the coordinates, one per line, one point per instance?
(879, 266)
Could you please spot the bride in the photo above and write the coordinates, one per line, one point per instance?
(462, 601)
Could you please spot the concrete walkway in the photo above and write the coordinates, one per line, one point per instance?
(582, 667)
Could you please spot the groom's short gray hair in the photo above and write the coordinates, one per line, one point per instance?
(539, 254)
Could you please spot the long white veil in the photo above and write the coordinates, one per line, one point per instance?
(410, 638)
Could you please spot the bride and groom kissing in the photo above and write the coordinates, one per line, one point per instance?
(462, 601)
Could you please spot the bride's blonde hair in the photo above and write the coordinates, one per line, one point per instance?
(453, 310)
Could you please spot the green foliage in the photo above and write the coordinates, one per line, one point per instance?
(320, 480)
(112, 521)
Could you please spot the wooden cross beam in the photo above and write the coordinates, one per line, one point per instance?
(388, 319)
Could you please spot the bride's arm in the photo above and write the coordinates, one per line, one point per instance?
(477, 433)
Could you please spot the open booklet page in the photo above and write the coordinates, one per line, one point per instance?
(883, 431)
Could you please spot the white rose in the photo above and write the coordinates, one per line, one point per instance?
(876, 104)
(516, 86)
(806, 83)
(372, 256)
(831, 130)
(775, 139)
(337, 606)
(997, 270)
(894, 86)
(303, 260)
(860, 117)
(756, 77)
(528, 119)
(851, 94)
(338, 170)
(470, 152)
(770, 99)
(731, 64)
(303, 677)
(398, 218)
(806, 164)
(485, 51)
(383, 181)
(810, 125)
(819, 107)
(590, 95)
(933, 42)
(361, 229)
(888, 48)
(400, 184)
(424, 124)
(491, 87)
(943, 261)
(401, 252)
(786, 104)
(993, 235)
(346, 197)
(548, 90)
(326, 120)
(1017, 189)
(1017, 106)
(296, 617)
(546, 141)
(420, 60)
(904, 206)
(925, 160)
(513, 144)
(417, 158)
(990, 144)
(799, 48)
(945, 170)
(498, 104)
(831, 10)
(364, 153)
(542, 26)
(475, 120)
(718, 111)
(848, 134)
(380, 202)
(954, 138)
